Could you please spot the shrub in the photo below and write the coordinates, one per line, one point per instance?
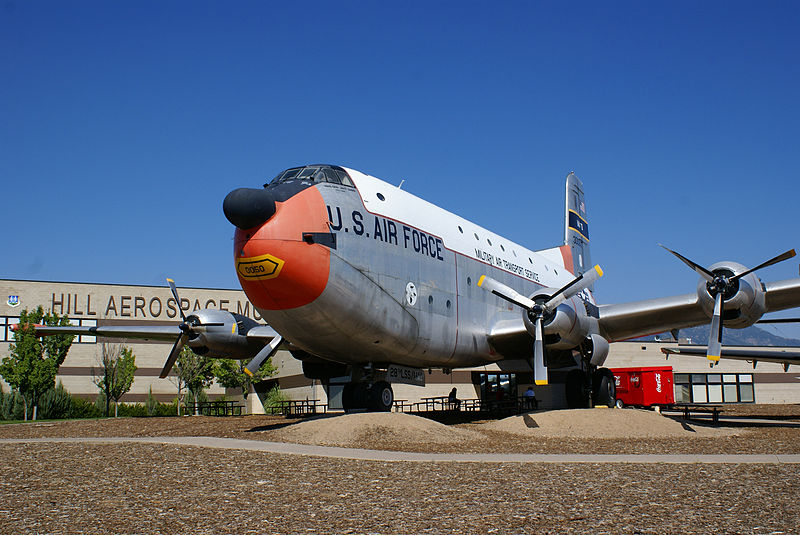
(137, 410)
(274, 397)
(55, 403)
(151, 405)
(83, 408)
(12, 406)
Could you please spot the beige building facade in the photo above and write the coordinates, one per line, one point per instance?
(110, 304)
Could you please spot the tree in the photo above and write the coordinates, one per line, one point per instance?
(193, 372)
(116, 374)
(231, 374)
(32, 367)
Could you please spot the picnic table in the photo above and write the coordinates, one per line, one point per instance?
(215, 408)
(298, 407)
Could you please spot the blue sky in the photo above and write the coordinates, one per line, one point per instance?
(124, 124)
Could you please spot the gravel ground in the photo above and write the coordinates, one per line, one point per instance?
(141, 488)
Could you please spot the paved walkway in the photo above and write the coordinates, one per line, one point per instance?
(398, 456)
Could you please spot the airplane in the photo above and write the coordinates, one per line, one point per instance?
(359, 278)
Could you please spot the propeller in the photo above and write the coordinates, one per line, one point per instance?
(266, 352)
(719, 284)
(189, 326)
(539, 309)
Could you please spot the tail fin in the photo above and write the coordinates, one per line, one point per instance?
(576, 228)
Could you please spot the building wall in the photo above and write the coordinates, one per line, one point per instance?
(111, 304)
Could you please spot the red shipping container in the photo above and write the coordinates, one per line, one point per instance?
(644, 387)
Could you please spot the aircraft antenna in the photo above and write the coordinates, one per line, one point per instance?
(401, 184)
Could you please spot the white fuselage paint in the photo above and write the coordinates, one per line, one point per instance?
(365, 315)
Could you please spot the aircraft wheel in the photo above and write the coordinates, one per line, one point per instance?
(576, 396)
(605, 389)
(620, 404)
(382, 397)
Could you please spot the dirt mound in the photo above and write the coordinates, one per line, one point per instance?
(358, 430)
(601, 423)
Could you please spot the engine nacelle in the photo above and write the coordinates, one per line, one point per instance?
(744, 302)
(222, 334)
(564, 328)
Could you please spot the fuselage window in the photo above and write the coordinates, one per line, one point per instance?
(476, 236)
(317, 173)
(381, 197)
(461, 230)
(307, 172)
(488, 241)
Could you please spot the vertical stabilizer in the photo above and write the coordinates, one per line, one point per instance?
(576, 228)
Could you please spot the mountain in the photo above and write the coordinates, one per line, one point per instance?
(749, 336)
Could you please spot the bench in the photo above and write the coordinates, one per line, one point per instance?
(688, 408)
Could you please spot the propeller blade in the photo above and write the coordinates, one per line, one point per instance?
(505, 292)
(539, 367)
(577, 285)
(177, 299)
(266, 352)
(715, 336)
(173, 355)
(703, 272)
(780, 320)
(780, 258)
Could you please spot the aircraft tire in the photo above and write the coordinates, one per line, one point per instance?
(620, 404)
(604, 387)
(382, 397)
(575, 393)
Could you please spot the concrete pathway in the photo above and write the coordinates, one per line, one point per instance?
(399, 456)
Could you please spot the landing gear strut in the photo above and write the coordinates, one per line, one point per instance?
(590, 386)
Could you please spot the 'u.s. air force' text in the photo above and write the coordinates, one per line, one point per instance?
(387, 231)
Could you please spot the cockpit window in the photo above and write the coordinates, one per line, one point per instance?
(315, 173)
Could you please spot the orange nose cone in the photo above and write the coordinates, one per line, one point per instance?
(276, 268)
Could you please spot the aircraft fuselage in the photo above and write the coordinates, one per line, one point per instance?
(370, 273)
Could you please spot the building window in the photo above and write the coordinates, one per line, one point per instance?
(7, 335)
(714, 388)
(84, 339)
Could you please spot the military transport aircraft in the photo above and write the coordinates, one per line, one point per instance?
(359, 278)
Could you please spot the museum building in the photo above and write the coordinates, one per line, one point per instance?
(112, 304)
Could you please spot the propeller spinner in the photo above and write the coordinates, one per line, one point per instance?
(539, 309)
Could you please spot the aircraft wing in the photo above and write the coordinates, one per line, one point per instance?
(781, 356)
(640, 318)
(153, 332)
(262, 332)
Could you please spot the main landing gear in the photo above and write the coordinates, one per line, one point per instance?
(589, 387)
(377, 396)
